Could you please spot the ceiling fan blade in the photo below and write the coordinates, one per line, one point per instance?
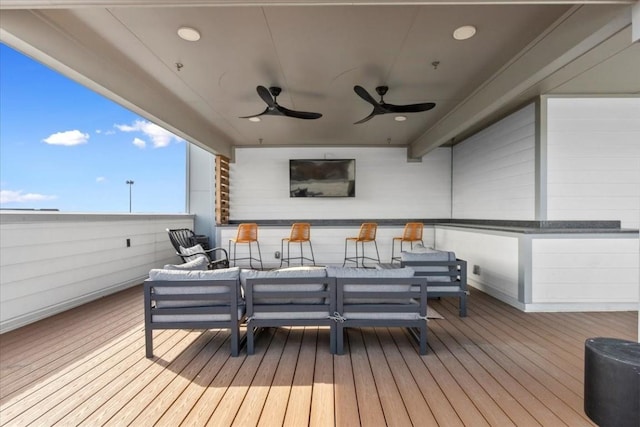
(266, 111)
(266, 96)
(411, 108)
(298, 114)
(362, 93)
(366, 119)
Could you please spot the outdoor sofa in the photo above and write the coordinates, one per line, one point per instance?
(446, 275)
(181, 296)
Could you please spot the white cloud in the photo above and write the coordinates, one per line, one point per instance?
(101, 179)
(9, 196)
(98, 131)
(67, 138)
(160, 137)
(139, 143)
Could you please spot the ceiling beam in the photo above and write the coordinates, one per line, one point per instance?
(51, 4)
(576, 33)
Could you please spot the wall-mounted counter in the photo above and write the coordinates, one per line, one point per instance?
(532, 265)
(555, 266)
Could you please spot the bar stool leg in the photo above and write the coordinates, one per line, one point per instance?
(313, 258)
(260, 255)
(393, 242)
(345, 253)
(281, 252)
(377, 253)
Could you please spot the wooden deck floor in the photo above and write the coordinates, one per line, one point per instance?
(497, 367)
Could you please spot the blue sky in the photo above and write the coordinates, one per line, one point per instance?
(63, 146)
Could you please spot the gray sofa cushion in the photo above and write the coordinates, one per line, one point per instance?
(353, 272)
(289, 315)
(220, 274)
(220, 317)
(291, 272)
(413, 315)
(189, 276)
(350, 272)
(430, 255)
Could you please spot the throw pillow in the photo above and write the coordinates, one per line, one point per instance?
(200, 263)
(191, 253)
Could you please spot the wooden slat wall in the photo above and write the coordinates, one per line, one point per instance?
(498, 366)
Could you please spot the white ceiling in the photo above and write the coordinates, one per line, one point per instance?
(128, 50)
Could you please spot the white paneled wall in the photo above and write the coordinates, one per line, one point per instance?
(494, 170)
(50, 262)
(496, 254)
(593, 164)
(560, 272)
(387, 186)
(581, 272)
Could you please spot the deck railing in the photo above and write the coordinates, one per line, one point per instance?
(52, 261)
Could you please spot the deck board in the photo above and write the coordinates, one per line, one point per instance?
(498, 366)
(275, 406)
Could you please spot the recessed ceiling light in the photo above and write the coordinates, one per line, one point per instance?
(464, 32)
(254, 119)
(189, 34)
(400, 118)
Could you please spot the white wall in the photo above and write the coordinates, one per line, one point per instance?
(494, 170)
(580, 273)
(540, 272)
(496, 254)
(50, 261)
(593, 161)
(387, 186)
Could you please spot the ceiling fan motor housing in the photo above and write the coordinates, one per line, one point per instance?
(275, 90)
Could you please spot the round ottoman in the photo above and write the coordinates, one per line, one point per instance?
(612, 382)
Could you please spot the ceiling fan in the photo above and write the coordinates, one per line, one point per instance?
(384, 108)
(274, 109)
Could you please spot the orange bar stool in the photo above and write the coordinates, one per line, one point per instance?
(247, 233)
(412, 233)
(367, 235)
(300, 233)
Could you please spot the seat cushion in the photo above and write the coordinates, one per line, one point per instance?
(289, 315)
(193, 290)
(430, 255)
(291, 272)
(411, 315)
(351, 272)
(218, 317)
